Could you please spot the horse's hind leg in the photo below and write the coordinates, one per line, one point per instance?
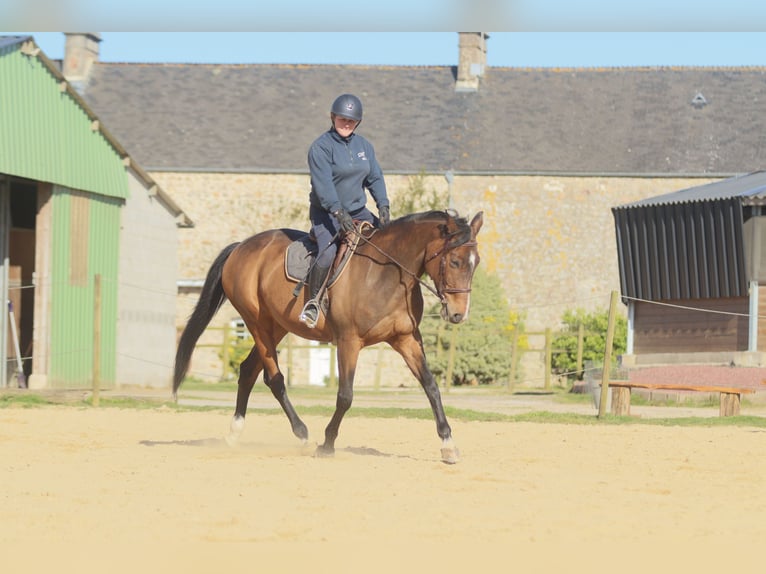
(277, 386)
(249, 370)
(275, 380)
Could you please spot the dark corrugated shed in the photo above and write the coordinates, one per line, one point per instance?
(695, 243)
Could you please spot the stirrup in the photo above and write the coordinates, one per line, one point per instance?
(310, 313)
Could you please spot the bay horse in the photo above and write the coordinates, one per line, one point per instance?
(376, 299)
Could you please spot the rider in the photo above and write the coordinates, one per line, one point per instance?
(342, 165)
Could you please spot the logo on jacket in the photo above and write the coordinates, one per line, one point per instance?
(361, 156)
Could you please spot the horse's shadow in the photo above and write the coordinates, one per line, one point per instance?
(197, 442)
(368, 451)
(220, 442)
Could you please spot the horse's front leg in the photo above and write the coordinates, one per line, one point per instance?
(348, 354)
(410, 347)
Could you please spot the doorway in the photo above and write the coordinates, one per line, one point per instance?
(23, 206)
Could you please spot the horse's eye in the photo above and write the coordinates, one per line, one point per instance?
(454, 263)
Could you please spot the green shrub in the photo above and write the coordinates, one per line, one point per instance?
(482, 344)
(594, 342)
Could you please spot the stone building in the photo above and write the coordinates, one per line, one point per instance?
(546, 153)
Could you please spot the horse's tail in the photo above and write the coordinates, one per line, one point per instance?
(210, 300)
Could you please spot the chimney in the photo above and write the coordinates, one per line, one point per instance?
(472, 60)
(80, 52)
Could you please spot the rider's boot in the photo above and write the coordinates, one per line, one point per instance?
(310, 313)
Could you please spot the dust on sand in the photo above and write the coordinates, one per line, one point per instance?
(129, 490)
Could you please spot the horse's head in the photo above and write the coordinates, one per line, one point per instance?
(451, 260)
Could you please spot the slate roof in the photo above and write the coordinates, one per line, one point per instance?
(749, 188)
(12, 40)
(263, 117)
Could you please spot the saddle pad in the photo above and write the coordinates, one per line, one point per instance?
(298, 258)
(301, 253)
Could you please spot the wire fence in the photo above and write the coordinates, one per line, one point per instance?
(519, 344)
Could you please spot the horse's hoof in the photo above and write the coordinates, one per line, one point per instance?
(324, 452)
(302, 432)
(235, 430)
(450, 453)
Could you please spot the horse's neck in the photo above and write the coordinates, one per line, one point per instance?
(407, 245)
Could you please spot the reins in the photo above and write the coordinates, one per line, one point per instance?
(438, 293)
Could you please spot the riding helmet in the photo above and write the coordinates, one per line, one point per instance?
(347, 106)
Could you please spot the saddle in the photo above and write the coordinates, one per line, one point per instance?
(301, 253)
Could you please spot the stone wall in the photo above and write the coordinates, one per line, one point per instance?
(549, 238)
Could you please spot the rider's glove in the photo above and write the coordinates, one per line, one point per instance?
(384, 216)
(345, 221)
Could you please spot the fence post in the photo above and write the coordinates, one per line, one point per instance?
(378, 367)
(225, 351)
(333, 367)
(439, 338)
(606, 371)
(96, 338)
(548, 357)
(514, 357)
(451, 358)
(289, 359)
(580, 347)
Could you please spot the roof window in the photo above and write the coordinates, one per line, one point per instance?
(699, 101)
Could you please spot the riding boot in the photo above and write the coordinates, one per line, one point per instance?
(310, 313)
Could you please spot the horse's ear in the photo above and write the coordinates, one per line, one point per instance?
(476, 222)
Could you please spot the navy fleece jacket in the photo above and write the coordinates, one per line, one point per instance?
(341, 169)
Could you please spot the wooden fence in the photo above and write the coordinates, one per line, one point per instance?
(232, 336)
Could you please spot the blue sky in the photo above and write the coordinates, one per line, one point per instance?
(514, 49)
(390, 15)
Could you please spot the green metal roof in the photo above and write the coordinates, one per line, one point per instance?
(47, 132)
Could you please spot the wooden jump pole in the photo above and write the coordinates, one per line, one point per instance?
(607, 355)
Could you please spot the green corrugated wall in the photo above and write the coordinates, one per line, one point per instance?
(85, 243)
(47, 135)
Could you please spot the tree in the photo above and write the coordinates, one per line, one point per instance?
(594, 342)
(418, 197)
(482, 352)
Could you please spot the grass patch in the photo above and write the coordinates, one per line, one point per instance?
(193, 384)
(79, 399)
(23, 400)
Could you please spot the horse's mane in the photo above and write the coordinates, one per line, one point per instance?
(456, 237)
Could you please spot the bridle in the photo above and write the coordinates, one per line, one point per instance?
(443, 289)
(441, 284)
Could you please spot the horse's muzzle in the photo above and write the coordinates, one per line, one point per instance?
(451, 317)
